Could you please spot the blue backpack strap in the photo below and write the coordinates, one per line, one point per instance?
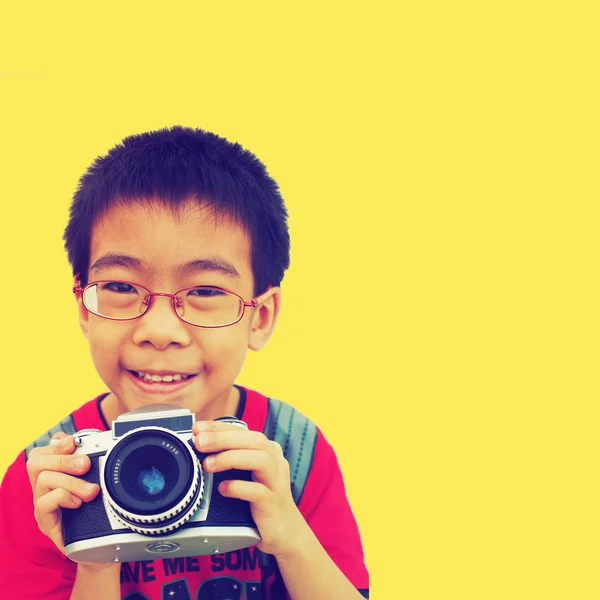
(297, 436)
(67, 425)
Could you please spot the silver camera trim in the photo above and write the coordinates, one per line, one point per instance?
(124, 547)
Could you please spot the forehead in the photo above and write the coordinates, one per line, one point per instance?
(162, 238)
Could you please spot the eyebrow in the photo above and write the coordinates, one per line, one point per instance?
(116, 260)
(213, 264)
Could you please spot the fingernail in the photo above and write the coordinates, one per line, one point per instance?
(203, 440)
(76, 499)
(88, 488)
(64, 443)
(79, 462)
(210, 462)
(202, 425)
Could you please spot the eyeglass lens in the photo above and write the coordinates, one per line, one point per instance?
(204, 306)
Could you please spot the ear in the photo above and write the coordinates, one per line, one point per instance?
(264, 318)
(82, 312)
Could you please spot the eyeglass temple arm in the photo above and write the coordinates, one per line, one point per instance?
(77, 289)
(254, 303)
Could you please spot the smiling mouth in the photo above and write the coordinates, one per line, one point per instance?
(169, 378)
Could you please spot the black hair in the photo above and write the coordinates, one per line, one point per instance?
(172, 166)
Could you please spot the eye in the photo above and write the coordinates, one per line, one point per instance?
(206, 292)
(119, 287)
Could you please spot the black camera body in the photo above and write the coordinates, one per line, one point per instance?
(155, 499)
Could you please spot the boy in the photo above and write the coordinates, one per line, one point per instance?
(180, 219)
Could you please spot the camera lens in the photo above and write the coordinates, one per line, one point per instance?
(151, 475)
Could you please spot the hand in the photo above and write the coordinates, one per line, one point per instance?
(51, 469)
(274, 511)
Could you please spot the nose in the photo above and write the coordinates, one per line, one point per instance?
(160, 326)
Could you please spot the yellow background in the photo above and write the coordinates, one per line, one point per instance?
(440, 165)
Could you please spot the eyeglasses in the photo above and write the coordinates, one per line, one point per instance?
(202, 306)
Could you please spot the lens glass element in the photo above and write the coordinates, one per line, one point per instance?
(152, 481)
(149, 471)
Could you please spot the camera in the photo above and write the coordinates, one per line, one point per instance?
(155, 499)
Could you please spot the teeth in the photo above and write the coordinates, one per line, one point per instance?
(156, 378)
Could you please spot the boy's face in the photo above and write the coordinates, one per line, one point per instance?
(149, 245)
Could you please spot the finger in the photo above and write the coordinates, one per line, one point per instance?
(55, 499)
(276, 448)
(47, 512)
(215, 441)
(65, 445)
(65, 463)
(51, 480)
(257, 461)
(46, 507)
(58, 435)
(199, 426)
(251, 491)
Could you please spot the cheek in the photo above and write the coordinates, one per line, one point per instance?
(105, 340)
(224, 348)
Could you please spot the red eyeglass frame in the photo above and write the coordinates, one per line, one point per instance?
(78, 290)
